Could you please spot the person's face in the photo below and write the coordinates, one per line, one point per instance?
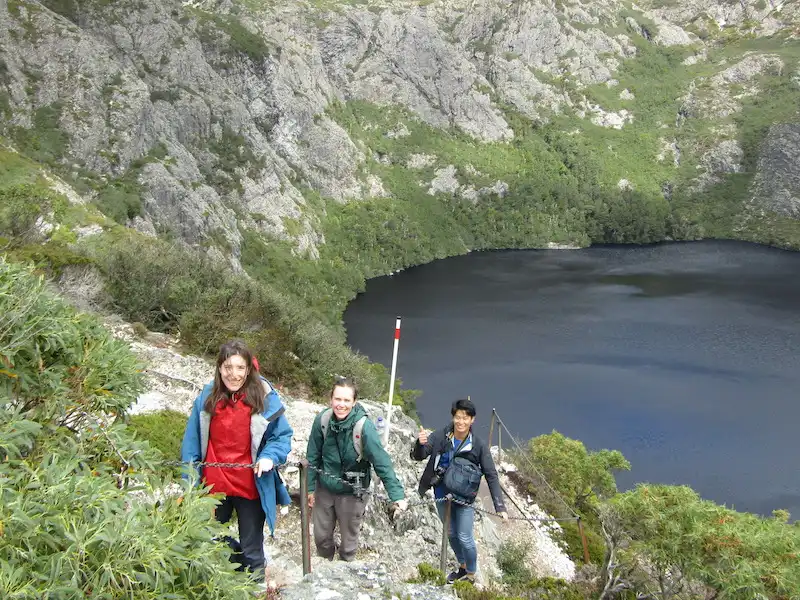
(462, 422)
(342, 401)
(234, 372)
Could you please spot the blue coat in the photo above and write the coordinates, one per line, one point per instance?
(270, 436)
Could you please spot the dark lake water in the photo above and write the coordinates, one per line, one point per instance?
(686, 357)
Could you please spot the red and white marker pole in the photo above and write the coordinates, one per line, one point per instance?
(391, 382)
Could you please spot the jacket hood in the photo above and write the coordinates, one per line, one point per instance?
(349, 421)
(272, 402)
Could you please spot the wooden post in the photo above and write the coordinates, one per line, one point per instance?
(445, 532)
(584, 542)
(491, 428)
(305, 536)
(499, 444)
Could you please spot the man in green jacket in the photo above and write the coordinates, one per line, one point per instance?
(337, 474)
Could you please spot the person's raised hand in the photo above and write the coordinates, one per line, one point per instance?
(422, 436)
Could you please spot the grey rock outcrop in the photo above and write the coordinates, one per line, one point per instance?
(404, 59)
(716, 99)
(766, 16)
(776, 187)
(724, 158)
(230, 138)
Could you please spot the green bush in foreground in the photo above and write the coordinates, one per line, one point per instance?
(686, 540)
(68, 527)
(163, 430)
(594, 541)
(514, 561)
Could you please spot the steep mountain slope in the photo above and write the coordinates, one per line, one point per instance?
(312, 144)
(220, 114)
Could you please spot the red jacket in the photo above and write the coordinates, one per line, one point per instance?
(229, 442)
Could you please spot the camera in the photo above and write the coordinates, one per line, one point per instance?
(354, 479)
(438, 476)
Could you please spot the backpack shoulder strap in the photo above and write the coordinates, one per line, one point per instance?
(324, 420)
(358, 443)
(276, 414)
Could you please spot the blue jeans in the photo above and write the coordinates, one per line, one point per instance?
(462, 540)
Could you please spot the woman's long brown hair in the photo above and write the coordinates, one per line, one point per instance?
(253, 388)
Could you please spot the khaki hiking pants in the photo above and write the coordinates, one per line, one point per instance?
(330, 508)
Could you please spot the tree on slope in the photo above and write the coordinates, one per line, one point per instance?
(681, 546)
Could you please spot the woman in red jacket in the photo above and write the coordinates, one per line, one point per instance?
(239, 418)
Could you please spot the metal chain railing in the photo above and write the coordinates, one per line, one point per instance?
(304, 466)
(523, 454)
(361, 490)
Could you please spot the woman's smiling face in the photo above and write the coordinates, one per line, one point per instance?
(343, 399)
(234, 372)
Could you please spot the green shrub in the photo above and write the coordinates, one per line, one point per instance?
(168, 287)
(21, 206)
(578, 475)
(139, 329)
(162, 429)
(689, 541)
(45, 142)
(149, 280)
(512, 558)
(550, 588)
(467, 591)
(70, 529)
(165, 95)
(16, 169)
(239, 39)
(120, 201)
(427, 573)
(50, 257)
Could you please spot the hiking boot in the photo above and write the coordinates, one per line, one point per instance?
(456, 576)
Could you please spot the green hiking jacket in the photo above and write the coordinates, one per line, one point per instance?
(335, 454)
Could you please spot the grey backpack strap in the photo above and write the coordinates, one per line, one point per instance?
(324, 420)
(358, 443)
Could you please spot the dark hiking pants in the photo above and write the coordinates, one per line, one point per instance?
(248, 551)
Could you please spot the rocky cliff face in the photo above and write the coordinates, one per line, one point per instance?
(218, 113)
(777, 184)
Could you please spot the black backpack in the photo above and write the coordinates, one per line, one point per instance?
(462, 478)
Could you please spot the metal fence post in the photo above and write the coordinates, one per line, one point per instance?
(445, 532)
(491, 428)
(584, 542)
(305, 536)
(499, 444)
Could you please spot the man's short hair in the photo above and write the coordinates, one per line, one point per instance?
(463, 404)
